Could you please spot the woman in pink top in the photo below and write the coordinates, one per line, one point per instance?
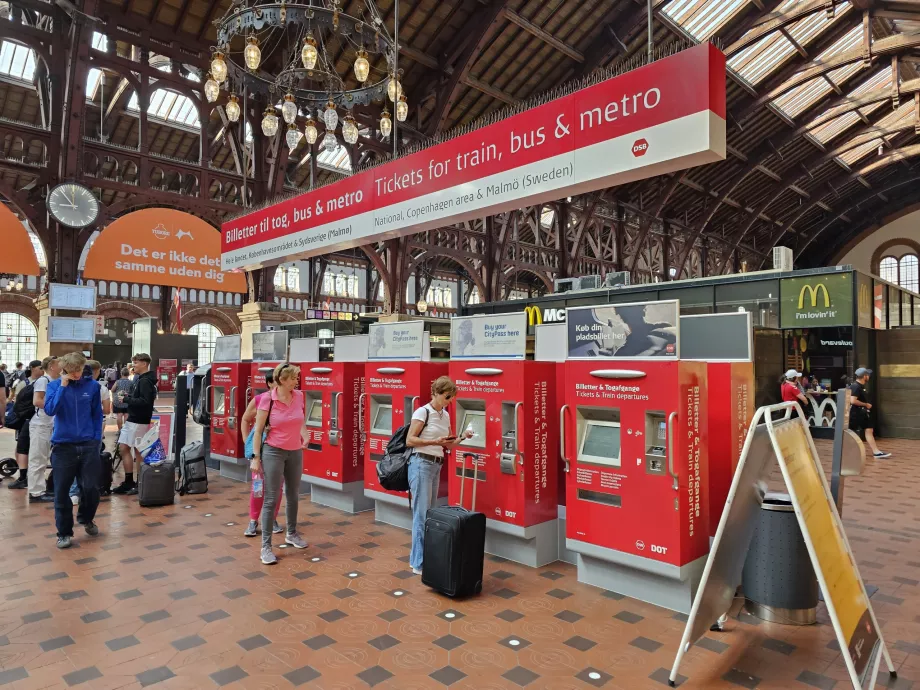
(255, 502)
(281, 456)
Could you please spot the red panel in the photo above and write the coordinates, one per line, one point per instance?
(653, 521)
(413, 386)
(226, 436)
(530, 495)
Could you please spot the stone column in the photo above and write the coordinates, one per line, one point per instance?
(256, 317)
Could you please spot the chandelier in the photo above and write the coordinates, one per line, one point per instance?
(286, 53)
(10, 281)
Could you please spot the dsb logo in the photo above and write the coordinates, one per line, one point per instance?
(639, 148)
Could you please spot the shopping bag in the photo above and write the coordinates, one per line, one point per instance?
(144, 445)
(156, 454)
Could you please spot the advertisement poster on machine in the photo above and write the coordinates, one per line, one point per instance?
(642, 330)
(492, 336)
(402, 340)
(668, 115)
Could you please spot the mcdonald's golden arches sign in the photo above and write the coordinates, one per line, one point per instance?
(820, 300)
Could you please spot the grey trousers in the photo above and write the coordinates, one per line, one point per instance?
(278, 464)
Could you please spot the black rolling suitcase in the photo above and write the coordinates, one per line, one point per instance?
(156, 484)
(455, 540)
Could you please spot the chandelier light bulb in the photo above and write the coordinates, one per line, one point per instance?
(330, 116)
(362, 66)
(402, 108)
(219, 68)
(330, 143)
(19, 283)
(310, 131)
(386, 124)
(269, 122)
(251, 54)
(211, 89)
(293, 137)
(233, 108)
(309, 54)
(350, 130)
(394, 88)
(289, 109)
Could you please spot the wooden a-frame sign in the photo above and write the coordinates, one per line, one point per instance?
(787, 441)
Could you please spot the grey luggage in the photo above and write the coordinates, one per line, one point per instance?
(156, 484)
(193, 470)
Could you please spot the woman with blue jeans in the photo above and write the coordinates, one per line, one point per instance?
(429, 438)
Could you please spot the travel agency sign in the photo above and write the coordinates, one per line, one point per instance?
(665, 116)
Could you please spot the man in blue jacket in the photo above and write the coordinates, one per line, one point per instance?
(75, 403)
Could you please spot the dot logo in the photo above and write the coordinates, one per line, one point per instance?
(640, 147)
(640, 545)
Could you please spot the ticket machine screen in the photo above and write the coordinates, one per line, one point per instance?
(383, 420)
(475, 421)
(601, 443)
(315, 417)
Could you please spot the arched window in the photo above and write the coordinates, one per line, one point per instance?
(908, 277)
(888, 269)
(904, 272)
(340, 285)
(220, 298)
(353, 287)
(145, 292)
(18, 339)
(101, 288)
(328, 283)
(207, 336)
(279, 278)
(124, 289)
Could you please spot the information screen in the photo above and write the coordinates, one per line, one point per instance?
(316, 412)
(63, 329)
(383, 420)
(601, 443)
(77, 297)
(475, 421)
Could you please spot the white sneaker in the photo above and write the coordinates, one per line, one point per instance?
(417, 571)
(75, 500)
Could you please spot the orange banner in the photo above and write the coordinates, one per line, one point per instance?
(160, 246)
(18, 255)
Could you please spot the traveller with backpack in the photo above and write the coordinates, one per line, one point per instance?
(257, 494)
(19, 418)
(40, 427)
(429, 437)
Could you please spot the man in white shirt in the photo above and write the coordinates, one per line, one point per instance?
(22, 436)
(40, 428)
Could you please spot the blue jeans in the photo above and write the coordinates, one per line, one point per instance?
(75, 487)
(424, 478)
(68, 461)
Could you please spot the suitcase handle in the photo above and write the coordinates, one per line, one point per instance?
(463, 458)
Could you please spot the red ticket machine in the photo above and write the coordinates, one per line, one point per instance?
(508, 405)
(333, 462)
(635, 435)
(167, 372)
(256, 380)
(227, 401)
(393, 391)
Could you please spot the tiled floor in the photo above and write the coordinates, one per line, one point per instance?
(176, 598)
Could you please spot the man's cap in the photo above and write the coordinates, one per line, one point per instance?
(792, 374)
(862, 371)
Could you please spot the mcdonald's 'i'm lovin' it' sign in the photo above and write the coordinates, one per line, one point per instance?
(818, 300)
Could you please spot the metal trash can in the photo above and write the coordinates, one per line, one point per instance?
(778, 580)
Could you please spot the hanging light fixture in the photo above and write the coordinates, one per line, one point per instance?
(293, 137)
(330, 116)
(394, 88)
(289, 108)
(350, 130)
(386, 124)
(309, 54)
(211, 89)
(310, 131)
(330, 143)
(252, 54)
(362, 66)
(402, 108)
(233, 108)
(219, 67)
(19, 283)
(269, 122)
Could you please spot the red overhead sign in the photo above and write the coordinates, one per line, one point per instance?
(672, 109)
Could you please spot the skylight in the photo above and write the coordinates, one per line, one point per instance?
(829, 129)
(17, 60)
(703, 18)
(94, 77)
(337, 159)
(170, 106)
(805, 95)
(897, 117)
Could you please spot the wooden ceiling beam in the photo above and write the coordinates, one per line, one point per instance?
(542, 34)
(776, 20)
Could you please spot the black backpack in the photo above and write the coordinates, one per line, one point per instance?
(23, 410)
(393, 468)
